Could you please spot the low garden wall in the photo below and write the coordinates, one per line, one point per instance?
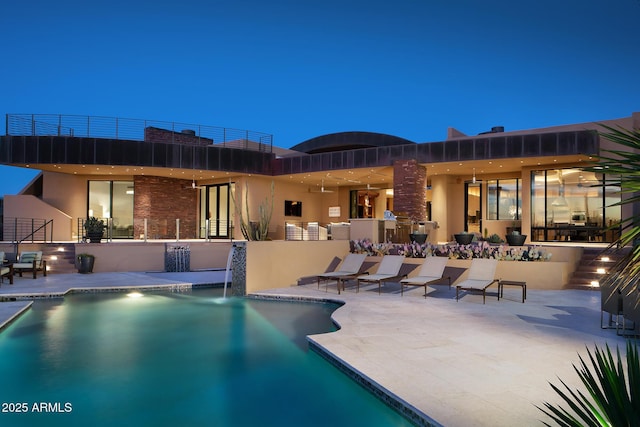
(278, 264)
(546, 275)
(541, 267)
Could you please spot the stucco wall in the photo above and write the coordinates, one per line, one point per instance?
(315, 205)
(280, 264)
(28, 207)
(149, 256)
(67, 193)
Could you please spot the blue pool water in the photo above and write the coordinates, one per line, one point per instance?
(176, 360)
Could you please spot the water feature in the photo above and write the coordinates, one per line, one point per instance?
(165, 359)
(226, 273)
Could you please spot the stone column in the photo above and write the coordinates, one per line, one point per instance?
(239, 269)
(409, 189)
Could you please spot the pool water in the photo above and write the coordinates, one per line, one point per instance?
(170, 359)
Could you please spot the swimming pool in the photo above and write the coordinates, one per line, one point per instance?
(169, 359)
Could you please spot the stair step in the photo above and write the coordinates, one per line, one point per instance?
(60, 257)
(590, 261)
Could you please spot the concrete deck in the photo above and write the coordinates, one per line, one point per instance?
(456, 363)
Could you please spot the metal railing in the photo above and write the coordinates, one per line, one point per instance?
(158, 229)
(32, 230)
(134, 129)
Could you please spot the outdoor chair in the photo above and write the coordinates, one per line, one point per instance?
(305, 280)
(30, 261)
(481, 276)
(617, 296)
(6, 270)
(432, 271)
(389, 269)
(349, 268)
(631, 310)
(611, 303)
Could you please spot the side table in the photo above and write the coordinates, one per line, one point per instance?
(504, 283)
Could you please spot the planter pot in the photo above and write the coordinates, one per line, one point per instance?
(94, 236)
(516, 239)
(84, 264)
(463, 239)
(419, 238)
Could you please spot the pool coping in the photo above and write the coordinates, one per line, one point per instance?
(401, 406)
(22, 307)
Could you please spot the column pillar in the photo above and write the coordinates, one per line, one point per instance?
(239, 269)
(410, 189)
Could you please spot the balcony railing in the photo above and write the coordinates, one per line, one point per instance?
(134, 129)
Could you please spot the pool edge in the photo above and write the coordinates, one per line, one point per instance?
(409, 412)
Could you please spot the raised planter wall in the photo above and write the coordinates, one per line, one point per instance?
(276, 264)
(280, 263)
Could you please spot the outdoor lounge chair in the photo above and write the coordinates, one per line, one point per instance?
(6, 270)
(349, 268)
(432, 271)
(30, 261)
(388, 269)
(481, 276)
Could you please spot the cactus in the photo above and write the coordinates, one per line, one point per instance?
(255, 230)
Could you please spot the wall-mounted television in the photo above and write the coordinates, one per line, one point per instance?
(292, 208)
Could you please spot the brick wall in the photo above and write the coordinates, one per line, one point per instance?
(161, 201)
(409, 189)
(186, 136)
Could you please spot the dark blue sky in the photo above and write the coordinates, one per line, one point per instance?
(300, 69)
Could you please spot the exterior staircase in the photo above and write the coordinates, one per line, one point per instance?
(593, 265)
(60, 257)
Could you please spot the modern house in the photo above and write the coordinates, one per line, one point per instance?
(158, 180)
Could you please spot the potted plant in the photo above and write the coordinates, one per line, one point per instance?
(94, 228)
(84, 263)
(515, 238)
(464, 238)
(417, 234)
(494, 239)
(419, 238)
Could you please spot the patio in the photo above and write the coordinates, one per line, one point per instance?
(448, 363)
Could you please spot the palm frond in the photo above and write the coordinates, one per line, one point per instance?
(613, 398)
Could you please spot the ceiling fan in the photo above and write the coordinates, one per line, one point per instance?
(370, 187)
(322, 189)
(194, 186)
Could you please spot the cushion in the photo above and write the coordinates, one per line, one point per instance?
(27, 257)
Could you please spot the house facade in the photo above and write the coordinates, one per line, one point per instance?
(157, 180)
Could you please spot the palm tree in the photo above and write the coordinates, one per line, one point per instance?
(622, 169)
(611, 399)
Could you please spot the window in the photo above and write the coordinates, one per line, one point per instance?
(503, 199)
(572, 204)
(113, 200)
